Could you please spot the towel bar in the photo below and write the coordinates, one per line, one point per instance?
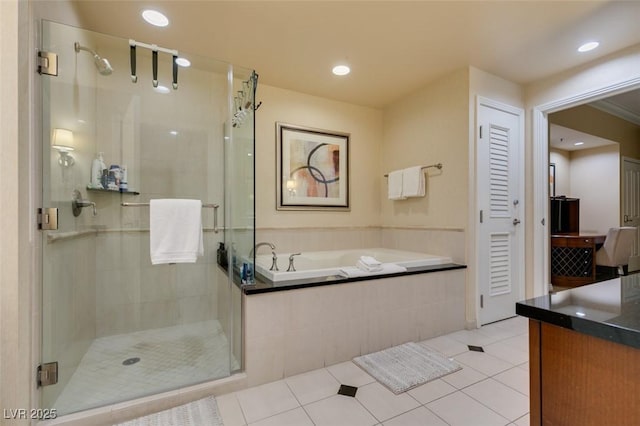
(209, 206)
(437, 166)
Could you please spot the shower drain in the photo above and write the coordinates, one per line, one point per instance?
(130, 361)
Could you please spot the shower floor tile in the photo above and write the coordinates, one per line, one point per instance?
(170, 358)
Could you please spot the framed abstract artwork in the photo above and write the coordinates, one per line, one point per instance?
(312, 168)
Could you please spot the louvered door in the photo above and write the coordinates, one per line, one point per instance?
(500, 236)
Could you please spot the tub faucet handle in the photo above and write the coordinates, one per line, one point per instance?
(291, 267)
(274, 262)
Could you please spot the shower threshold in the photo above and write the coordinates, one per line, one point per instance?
(128, 366)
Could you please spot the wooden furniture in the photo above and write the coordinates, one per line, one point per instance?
(577, 379)
(573, 260)
(584, 354)
(564, 215)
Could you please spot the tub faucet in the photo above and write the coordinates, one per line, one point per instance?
(291, 267)
(274, 262)
(255, 248)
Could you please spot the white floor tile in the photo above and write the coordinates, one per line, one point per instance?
(483, 362)
(516, 378)
(507, 352)
(520, 342)
(523, 421)
(500, 398)
(459, 409)
(463, 378)
(431, 391)
(472, 337)
(313, 386)
(446, 345)
(339, 410)
(230, 411)
(347, 373)
(266, 400)
(421, 416)
(383, 403)
(295, 417)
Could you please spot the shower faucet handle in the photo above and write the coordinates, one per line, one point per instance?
(291, 266)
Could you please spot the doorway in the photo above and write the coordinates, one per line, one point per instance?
(540, 125)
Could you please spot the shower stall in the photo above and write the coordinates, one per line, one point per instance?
(114, 326)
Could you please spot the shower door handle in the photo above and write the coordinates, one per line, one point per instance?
(215, 218)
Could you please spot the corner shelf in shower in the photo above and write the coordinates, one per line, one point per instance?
(114, 191)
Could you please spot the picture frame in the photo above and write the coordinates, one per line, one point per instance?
(552, 180)
(312, 168)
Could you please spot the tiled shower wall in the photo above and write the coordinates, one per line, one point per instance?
(133, 295)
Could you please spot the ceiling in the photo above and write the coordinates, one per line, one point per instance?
(564, 138)
(392, 47)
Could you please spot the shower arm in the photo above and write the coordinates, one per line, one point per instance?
(79, 47)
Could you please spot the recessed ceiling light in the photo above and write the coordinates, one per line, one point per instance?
(588, 46)
(173, 133)
(155, 18)
(183, 62)
(579, 143)
(341, 70)
(161, 89)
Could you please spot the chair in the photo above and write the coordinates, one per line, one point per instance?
(616, 250)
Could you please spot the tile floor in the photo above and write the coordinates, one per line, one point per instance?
(169, 358)
(491, 389)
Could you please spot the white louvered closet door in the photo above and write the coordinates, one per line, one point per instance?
(501, 239)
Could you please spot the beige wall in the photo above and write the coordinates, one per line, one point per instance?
(562, 160)
(426, 127)
(15, 294)
(592, 175)
(364, 125)
(595, 180)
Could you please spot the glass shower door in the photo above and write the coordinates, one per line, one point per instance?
(119, 327)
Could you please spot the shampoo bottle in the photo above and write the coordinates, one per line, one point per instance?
(96, 171)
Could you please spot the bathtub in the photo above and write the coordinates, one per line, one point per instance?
(327, 264)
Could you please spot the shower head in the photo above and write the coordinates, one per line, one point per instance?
(102, 64)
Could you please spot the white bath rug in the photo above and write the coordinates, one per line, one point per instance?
(406, 366)
(196, 413)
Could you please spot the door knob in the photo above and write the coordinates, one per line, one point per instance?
(516, 221)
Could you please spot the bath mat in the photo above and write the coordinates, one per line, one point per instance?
(196, 413)
(406, 366)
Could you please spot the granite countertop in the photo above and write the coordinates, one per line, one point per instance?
(264, 286)
(608, 310)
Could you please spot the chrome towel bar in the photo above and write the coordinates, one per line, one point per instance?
(437, 166)
(208, 206)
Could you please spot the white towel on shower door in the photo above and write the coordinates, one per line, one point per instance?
(175, 228)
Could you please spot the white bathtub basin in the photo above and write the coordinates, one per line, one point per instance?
(319, 264)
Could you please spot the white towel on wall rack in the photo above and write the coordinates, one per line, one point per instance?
(413, 182)
(395, 185)
(175, 231)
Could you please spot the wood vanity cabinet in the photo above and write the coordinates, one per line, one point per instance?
(577, 379)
